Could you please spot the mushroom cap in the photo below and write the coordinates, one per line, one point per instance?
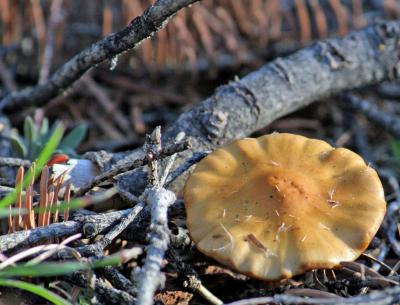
(282, 204)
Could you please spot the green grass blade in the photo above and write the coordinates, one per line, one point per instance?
(35, 289)
(44, 156)
(55, 269)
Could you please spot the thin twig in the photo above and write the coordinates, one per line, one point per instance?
(238, 109)
(195, 284)
(142, 27)
(128, 166)
(7, 182)
(149, 276)
(14, 162)
(185, 166)
(117, 279)
(98, 247)
(89, 225)
(103, 291)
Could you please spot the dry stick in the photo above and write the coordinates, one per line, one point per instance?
(98, 247)
(106, 294)
(7, 182)
(238, 109)
(93, 224)
(149, 276)
(14, 162)
(54, 20)
(194, 283)
(142, 27)
(117, 279)
(26, 238)
(185, 166)
(363, 57)
(128, 166)
(112, 274)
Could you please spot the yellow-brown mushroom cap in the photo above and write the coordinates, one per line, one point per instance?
(281, 204)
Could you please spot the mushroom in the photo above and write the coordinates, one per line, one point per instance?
(282, 204)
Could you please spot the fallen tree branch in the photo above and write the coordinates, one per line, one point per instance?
(14, 162)
(89, 225)
(236, 110)
(102, 291)
(362, 58)
(142, 27)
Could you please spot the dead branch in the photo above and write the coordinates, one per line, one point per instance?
(142, 27)
(362, 58)
(243, 106)
(90, 225)
(128, 165)
(98, 247)
(149, 277)
(14, 162)
(103, 292)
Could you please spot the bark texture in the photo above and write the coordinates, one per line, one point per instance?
(243, 106)
(236, 110)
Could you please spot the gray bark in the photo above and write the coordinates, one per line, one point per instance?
(236, 110)
(243, 106)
